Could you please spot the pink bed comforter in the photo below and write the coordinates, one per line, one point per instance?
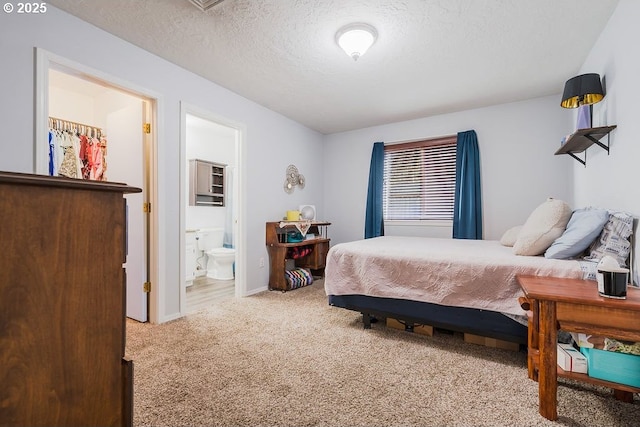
(455, 272)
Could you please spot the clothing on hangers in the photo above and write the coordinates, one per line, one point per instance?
(76, 150)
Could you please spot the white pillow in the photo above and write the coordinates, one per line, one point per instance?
(545, 224)
(510, 236)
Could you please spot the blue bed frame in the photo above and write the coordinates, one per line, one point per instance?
(474, 321)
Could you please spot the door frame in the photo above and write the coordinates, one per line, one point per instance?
(153, 112)
(239, 199)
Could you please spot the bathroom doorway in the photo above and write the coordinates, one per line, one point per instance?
(212, 249)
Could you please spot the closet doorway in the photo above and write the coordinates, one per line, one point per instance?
(100, 113)
(210, 223)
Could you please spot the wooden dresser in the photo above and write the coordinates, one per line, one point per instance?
(62, 303)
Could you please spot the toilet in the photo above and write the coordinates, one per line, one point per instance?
(220, 260)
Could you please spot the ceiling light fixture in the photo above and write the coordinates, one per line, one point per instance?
(356, 39)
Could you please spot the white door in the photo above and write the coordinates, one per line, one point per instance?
(126, 153)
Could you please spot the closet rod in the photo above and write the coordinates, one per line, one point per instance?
(62, 124)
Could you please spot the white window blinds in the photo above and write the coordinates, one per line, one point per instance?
(420, 180)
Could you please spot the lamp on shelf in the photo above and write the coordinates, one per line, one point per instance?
(356, 39)
(582, 92)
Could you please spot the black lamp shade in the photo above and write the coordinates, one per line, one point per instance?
(584, 89)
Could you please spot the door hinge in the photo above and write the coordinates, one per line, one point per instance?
(146, 128)
(146, 207)
(146, 287)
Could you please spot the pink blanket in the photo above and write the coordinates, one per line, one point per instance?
(464, 273)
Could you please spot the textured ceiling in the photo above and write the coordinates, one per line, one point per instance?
(431, 56)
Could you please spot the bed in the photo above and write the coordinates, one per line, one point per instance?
(459, 285)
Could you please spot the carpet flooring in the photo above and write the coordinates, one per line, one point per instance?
(289, 359)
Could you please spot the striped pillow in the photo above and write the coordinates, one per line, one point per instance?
(614, 239)
(298, 278)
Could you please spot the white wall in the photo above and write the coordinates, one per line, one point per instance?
(73, 106)
(612, 181)
(209, 141)
(272, 141)
(518, 168)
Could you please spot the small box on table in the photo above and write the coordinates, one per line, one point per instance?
(571, 360)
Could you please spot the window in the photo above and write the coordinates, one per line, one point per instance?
(420, 180)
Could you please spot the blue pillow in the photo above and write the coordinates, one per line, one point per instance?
(583, 228)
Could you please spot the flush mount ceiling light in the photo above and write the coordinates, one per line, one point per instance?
(355, 39)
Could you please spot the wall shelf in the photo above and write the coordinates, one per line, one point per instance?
(582, 139)
(206, 183)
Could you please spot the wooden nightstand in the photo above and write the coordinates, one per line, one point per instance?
(573, 305)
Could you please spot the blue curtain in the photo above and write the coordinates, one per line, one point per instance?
(467, 210)
(374, 223)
